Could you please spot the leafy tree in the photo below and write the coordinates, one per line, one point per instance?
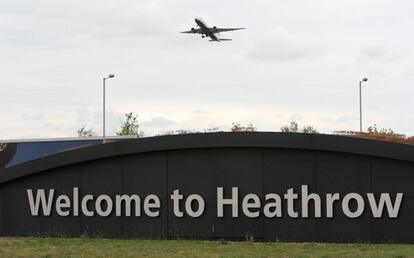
(85, 133)
(180, 131)
(237, 127)
(293, 127)
(130, 126)
(380, 134)
(212, 130)
(183, 131)
(3, 146)
(309, 129)
(374, 130)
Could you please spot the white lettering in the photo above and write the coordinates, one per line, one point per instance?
(276, 206)
(98, 205)
(188, 207)
(62, 202)
(360, 205)
(177, 197)
(40, 200)
(75, 201)
(233, 201)
(305, 202)
(330, 199)
(290, 196)
(43, 202)
(385, 198)
(247, 205)
(152, 202)
(128, 202)
(84, 205)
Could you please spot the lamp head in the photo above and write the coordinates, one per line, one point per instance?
(365, 79)
(111, 75)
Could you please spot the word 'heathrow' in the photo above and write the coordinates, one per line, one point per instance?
(272, 205)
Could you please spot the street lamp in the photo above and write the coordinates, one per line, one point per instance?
(104, 79)
(360, 103)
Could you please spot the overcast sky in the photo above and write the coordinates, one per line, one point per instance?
(297, 60)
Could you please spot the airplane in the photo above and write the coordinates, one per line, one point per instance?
(205, 31)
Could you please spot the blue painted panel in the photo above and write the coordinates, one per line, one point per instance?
(33, 150)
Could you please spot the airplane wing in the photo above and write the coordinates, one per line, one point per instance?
(193, 31)
(220, 40)
(218, 30)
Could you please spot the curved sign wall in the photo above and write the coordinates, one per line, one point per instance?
(265, 186)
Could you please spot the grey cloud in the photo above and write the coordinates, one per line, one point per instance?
(34, 117)
(296, 117)
(84, 115)
(409, 72)
(65, 23)
(199, 111)
(125, 18)
(17, 7)
(381, 54)
(53, 55)
(159, 121)
(279, 45)
(340, 119)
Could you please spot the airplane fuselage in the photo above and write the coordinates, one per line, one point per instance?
(206, 30)
(210, 32)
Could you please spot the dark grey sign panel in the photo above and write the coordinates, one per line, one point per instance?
(266, 186)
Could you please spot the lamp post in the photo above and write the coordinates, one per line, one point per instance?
(104, 79)
(360, 103)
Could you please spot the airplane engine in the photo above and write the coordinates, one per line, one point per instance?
(214, 28)
(192, 29)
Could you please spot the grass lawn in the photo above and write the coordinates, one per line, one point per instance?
(88, 247)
